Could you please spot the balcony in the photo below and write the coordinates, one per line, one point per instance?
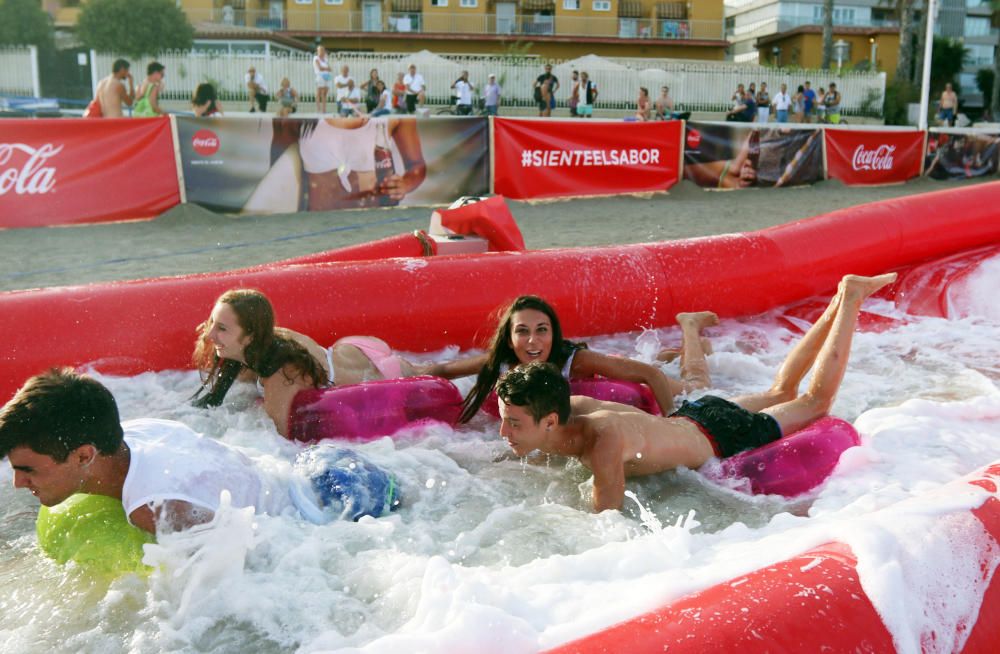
(461, 24)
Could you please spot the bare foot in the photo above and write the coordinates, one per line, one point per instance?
(858, 288)
(668, 354)
(699, 319)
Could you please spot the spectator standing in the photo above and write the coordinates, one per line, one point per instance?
(340, 87)
(111, 93)
(574, 95)
(546, 101)
(948, 106)
(287, 97)
(832, 102)
(256, 89)
(737, 99)
(799, 104)
(399, 95)
(820, 105)
(205, 101)
(371, 92)
(763, 103)
(324, 77)
(782, 103)
(808, 103)
(643, 105)
(588, 92)
(416, 89)
(463, 88)
(492, 96)
(149, 93)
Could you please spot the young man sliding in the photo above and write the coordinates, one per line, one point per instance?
(617, 441)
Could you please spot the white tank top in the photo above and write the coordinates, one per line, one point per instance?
(329, 148)
(169, 461)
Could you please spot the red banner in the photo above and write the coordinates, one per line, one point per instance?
(64, 171)
(862, 157)
(560, 158)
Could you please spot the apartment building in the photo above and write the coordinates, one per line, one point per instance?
(789, 32)
(550, 28)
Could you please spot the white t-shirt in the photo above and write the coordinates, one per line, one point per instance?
(781, 101)
(341, 90)
(385, 100)
(414, 83)
(258, 79)
(464, 91)
(169, 461)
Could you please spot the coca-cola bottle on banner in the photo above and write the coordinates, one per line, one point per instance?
(385, 167)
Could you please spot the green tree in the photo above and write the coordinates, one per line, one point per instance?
(947, 58)
(25, 23)
(984, 81)
(904, 10)
(827, 34)
(134, 27)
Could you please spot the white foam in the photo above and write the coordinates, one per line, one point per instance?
(493, 554)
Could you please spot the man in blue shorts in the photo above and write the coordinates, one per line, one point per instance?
(617, 441)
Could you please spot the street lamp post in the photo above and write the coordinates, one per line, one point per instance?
(841, 47)
(874, 50)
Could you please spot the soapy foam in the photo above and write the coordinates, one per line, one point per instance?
(496, 554)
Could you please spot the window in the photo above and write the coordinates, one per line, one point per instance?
(571, 4)
(841, 15)
(468, 3)
(334, 2)
(439, 3)
(977, 26)
(303, 2)
(980, 55)
(628, 28)
(602, 5)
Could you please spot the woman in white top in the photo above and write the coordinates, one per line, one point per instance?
(323, 77)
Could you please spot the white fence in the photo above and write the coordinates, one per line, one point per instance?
(19, 71)
(696, 86)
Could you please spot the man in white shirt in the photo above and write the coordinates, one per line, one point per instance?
(415, 89)
(257, 88)
(463, 88)
(782, 101)
(350, 104)
(340, 83)
(61, 434)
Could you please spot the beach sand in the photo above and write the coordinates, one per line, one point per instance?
(189, 239)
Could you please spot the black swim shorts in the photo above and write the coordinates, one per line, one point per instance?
(731, 428)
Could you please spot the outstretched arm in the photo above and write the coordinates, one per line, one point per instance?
(589, 364)
(453, 369)
(609, 472)
(170, 516)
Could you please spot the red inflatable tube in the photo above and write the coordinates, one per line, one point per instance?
(764, 611)
(426, 304)
(415, 244)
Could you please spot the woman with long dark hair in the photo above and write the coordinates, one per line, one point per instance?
(529, 330)
(240, 340)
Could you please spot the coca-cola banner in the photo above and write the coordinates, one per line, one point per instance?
(58, 171)
(954, 154)
(725, 156)
(563, 158)
(862, 157)
(282, 165)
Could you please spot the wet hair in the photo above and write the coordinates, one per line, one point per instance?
(501, 353)
(539, 387)
(270, 349)
(155, 67)
(58, 411)
(205, 92)
(119, 65)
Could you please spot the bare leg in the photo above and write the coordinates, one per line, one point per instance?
(694, 367)
(796, 364)
(831, 364)
(668, 354)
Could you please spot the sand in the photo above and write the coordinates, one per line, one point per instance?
(189, 239)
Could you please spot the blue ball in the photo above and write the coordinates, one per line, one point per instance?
(348, 484)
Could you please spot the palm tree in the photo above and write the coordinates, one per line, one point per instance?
(828, 33)
(904, 12)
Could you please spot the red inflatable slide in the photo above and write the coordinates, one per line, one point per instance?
(424, 304)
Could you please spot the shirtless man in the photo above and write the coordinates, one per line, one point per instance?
(616, 441)
(948, 105)
(111, 93)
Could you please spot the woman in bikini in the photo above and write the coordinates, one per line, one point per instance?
(241, 340)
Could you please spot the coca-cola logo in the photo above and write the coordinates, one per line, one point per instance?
(205, 142)
(878, 159)
(693, 138)
(33, 177)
